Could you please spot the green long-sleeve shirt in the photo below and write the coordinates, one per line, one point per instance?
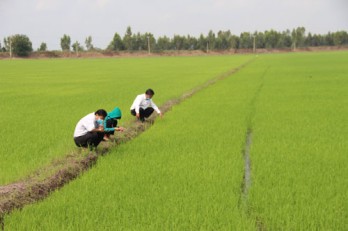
(114, 114)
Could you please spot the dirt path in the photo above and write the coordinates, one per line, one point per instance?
(41, 183)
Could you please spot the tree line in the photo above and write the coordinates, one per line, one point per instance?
(222, 40)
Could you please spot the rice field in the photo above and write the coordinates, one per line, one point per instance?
(42, 100)
(187, 172)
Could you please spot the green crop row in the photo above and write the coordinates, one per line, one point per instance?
(184, 173)
(42, 100)
(300, 143)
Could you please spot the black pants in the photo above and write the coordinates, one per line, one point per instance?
(143, 113)
(111, 123)
(91, 139)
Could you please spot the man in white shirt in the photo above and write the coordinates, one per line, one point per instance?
(143, 106)
(89, 131)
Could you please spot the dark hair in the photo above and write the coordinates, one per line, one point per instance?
(149, 92)
(101, 112)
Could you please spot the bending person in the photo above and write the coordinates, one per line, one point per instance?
(143, 106)
(89, 131)
(110, 123)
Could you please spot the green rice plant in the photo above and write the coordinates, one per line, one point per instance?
(184, 173)
(299, 150)
(42, 100)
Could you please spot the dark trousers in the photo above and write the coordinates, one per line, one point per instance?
(91, 139)
(111, 123)
(143, 113)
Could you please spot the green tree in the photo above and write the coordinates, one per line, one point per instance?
(245, 40)
(285, 39)
(329, 39)
(259, 40)
(43, 47)
(190, 43)
(77, 47)
(224, 40)
(148, 38)
(163, 44)
(340, 38)
(178, 42)
(21, 45)
(202, 43)
(317, 40)
(128, 39)
(138, 41)
(88, 42)
(211, 40)
(65, 42)
(272, 39)
(116, 44)
(298, 37)
(6, 44)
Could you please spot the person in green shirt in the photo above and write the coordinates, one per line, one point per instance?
(110, 123)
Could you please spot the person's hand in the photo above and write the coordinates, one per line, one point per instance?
(138, 115)
(120, 129)
(161, 114)
(101, 128)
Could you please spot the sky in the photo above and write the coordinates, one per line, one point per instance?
(48, 20)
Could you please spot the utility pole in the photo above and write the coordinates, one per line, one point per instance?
(148, 44)
(254, 44)
(10, 47)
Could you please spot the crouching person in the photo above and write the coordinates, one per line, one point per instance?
(110, 123)
(143, 106)
(89, 131)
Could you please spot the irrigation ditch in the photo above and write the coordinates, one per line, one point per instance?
(247, 180)
(59, 172)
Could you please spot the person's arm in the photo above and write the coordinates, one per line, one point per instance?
(98, 129)
(106, 129)
(154, 106)
(137, 103)
(90, 126)
(119, 129)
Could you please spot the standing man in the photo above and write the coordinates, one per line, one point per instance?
(143, 106)
(89, 131)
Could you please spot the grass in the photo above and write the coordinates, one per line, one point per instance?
(42, 100)
(186, 172)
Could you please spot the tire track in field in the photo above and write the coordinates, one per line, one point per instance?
(247, 179)
(44, 181)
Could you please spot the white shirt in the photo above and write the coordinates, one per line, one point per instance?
(86, 124)
(141, 102)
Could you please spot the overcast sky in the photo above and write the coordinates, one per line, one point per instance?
(47, 20)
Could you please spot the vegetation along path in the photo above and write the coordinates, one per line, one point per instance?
(38, 186)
